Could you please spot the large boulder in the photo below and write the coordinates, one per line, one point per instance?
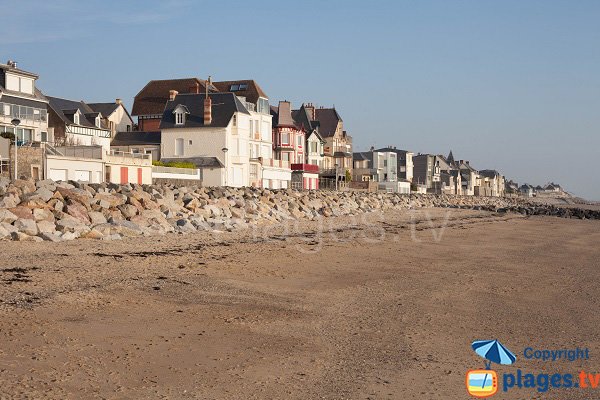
(7, 216)
(26, 226)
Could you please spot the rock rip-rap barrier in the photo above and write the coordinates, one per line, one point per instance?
(58, 211)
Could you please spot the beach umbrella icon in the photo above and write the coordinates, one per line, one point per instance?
(494, 352)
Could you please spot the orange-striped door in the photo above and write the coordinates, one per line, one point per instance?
(124, 175)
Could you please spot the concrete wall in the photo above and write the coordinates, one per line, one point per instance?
(74, 168)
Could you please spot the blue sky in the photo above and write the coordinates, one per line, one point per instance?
(511, 85)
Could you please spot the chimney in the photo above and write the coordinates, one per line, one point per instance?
(310, 109)
(207, 110)
(372, 148)
(119, 101)
(173, 94)
(461, 161)
(195, 88)
(466, 162)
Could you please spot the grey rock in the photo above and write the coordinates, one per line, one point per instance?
(26, 226)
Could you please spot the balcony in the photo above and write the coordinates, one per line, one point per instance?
(270, 162)
(306, 168)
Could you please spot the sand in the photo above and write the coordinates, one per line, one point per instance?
(370, 309)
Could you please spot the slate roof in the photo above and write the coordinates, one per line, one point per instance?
(489, 173)
(224, 105)
(105, 108)
(66, 108)
(302, 120)
(252, 91)
(328, 121)
(200, 162)
(152, 98)
(363, 156)
(136, 138)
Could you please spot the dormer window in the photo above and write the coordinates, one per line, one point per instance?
(180, 113)
(98, 122)
(76, 118)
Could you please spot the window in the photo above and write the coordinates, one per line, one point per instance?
(234, 88)
(243, 86)
(299, 140)
(179, 147)
(190, 142)
(44, 137)
(179, 118)
(251, 127)
(285, 156)
(234, 120)
(128, 128)
(76, 118)
(98, 122)
(285, 138)
(263, 106)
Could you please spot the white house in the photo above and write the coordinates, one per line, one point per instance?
(212, 132)
(116, 117)
(20, 99)
(266, 170)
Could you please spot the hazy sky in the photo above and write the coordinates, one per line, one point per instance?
(510, 85)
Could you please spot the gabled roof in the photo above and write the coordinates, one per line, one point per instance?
(224, 105)
(302, 120)
(66, 108)
(328, 121)
(248, 89)
(152, 98)
(136, 138)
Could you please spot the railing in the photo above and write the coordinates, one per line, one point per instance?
(114, 156)
(94, 152)
(306, 167)
(270, 162)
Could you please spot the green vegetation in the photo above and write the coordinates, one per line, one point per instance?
(348, 176)
(175, 164)
(8, 135)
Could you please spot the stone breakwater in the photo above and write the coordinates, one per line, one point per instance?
(58, 211)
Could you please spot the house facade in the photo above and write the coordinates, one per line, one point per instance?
(115, 115)
(289, 144)
(20, 99)
(375, 165)
(265, 169)
(75, 123)
(337, 150)
(404, 161)
(426, 170)
(492, 183)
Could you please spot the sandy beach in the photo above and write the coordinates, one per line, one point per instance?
(376, 307)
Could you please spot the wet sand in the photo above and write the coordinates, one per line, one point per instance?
(369, 309)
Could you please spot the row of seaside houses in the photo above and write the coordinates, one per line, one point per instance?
(226, 133)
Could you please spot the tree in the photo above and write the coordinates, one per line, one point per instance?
(348, 176)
